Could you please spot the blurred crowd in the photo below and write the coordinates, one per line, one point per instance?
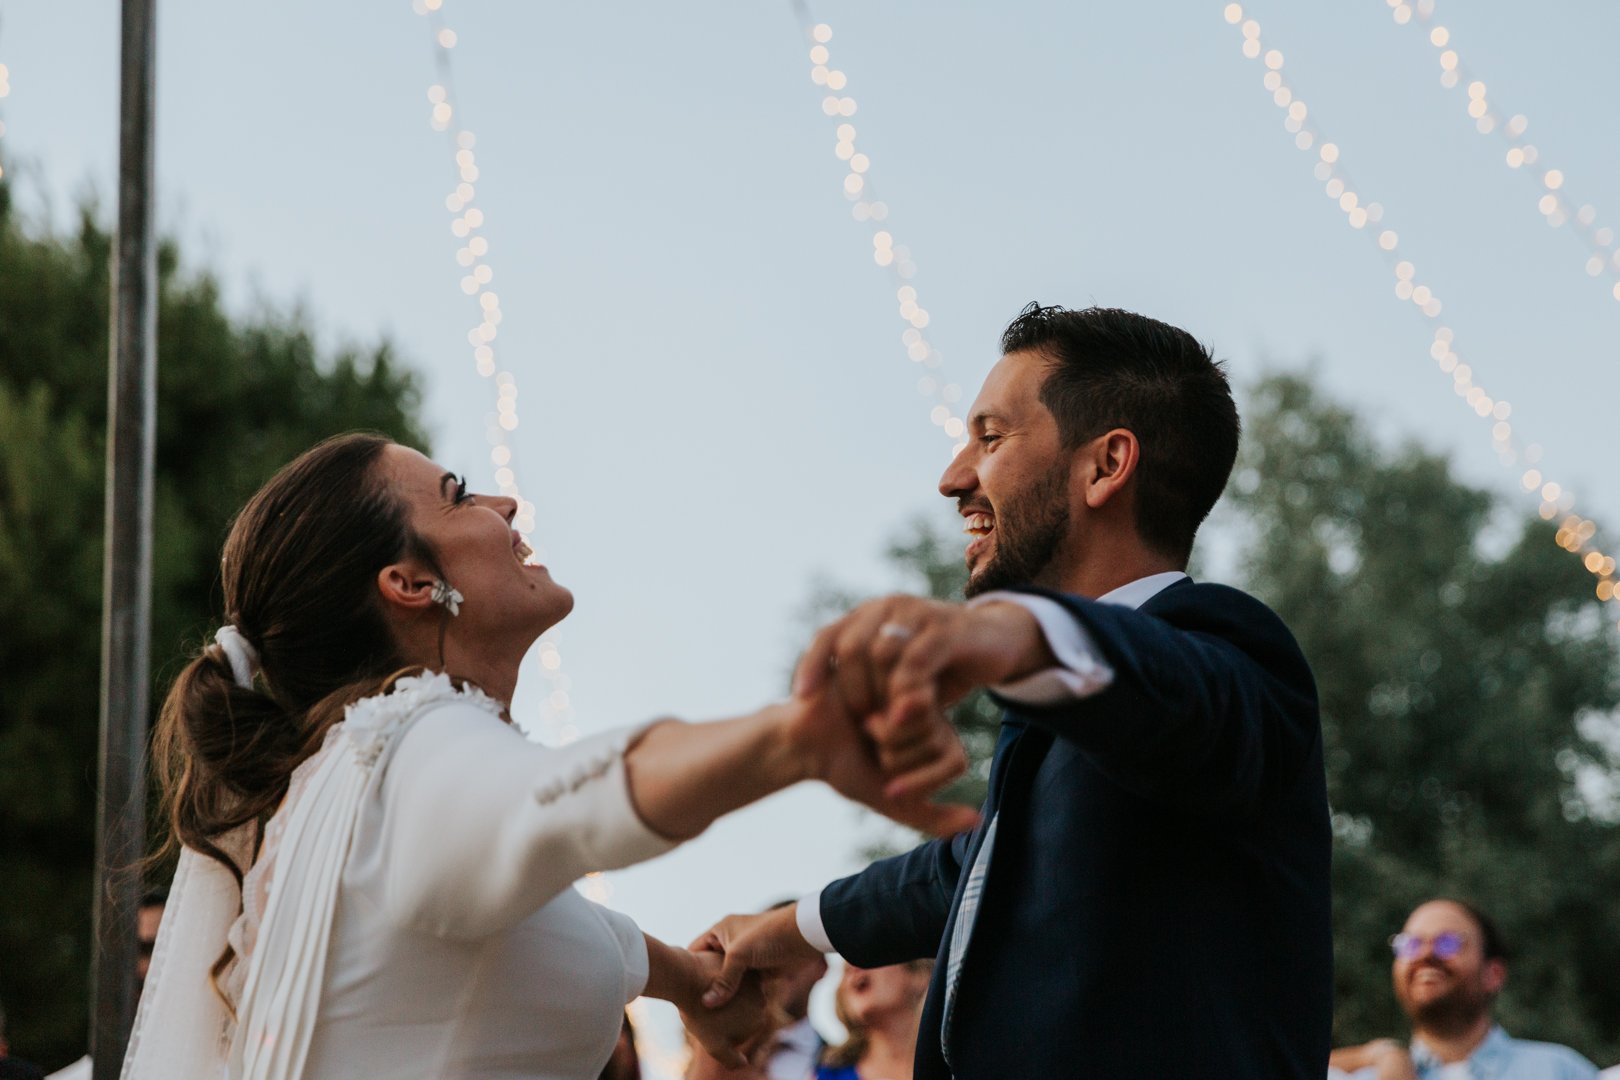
(878, 1007)
(1450, 961)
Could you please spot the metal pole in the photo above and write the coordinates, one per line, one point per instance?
(127, 570)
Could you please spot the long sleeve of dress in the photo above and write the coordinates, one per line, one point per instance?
(482, 827)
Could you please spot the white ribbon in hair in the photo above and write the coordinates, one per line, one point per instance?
(243, 657)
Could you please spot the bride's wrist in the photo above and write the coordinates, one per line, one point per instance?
(799, 745)
(774, 746)
(672, 974)
(690, 982)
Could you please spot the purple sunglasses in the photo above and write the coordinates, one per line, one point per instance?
(1444, 945)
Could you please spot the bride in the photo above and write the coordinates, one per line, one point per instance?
(375, 867)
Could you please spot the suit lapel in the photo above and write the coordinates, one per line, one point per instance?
(1007, 745)
(1018, 754)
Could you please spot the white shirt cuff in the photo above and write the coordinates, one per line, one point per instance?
(1082, 671)
(808, 916)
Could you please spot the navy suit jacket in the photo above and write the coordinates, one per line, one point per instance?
(1157, 902)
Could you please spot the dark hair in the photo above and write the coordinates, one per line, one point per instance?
(1115, 369)
(298, 574)
(1491, 942)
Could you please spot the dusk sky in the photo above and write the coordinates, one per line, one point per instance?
(715, 403)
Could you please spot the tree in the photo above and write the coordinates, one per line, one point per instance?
(1462, 662)
(1468, 685)
(237, 398)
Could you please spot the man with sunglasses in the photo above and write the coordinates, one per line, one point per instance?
(1450, 963)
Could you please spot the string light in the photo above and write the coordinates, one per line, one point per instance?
(1553, 198)
(1576, 533)
(896, 258)
(5, 91)
(477, 276)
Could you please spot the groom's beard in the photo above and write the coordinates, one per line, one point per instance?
(1029, 529)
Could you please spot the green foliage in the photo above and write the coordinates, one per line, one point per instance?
(237, 398)
(1462, 663)
(1460, 656)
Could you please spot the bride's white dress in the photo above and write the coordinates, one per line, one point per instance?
(453, 945)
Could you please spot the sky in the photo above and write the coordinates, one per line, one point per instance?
(715, 404)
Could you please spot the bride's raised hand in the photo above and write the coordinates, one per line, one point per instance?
(893, 768)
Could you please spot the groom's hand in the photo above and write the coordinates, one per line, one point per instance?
(769, 941)
(897, 659)
(897, 776)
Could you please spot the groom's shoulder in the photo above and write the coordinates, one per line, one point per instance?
(1223, 611)
(1210, 600)
(1194, 606)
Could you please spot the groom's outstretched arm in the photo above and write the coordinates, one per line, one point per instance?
(1219, 707)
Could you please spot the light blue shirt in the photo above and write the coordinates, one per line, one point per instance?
(1499, 1057)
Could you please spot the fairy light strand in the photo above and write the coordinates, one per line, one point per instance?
(469, 226)
(5, 91)
(1576, 533)
(1553, 199)
(866, 208)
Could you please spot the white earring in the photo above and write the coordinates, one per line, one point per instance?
(446, 596)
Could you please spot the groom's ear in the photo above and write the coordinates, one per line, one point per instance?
(1106, 465)
(406, 586)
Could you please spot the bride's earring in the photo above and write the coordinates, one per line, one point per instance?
(447, 597)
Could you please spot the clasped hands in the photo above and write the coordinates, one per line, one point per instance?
(873, 687)
(869, 701)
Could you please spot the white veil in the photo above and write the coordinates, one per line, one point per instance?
(182, 1028)
(183, 1031)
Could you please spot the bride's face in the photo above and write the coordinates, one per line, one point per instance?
(478, 551)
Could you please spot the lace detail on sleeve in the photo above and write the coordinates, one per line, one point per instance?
(365, 731)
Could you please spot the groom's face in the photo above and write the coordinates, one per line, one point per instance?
(1011, 480)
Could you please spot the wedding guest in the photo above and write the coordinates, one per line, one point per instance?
(880, 1007)
(794, 1051)
(1450, 964)
(1157, 801)
(407, 909)
(148, 916)
(625, 1064)
(14, 1068)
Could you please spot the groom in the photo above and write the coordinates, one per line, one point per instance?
(1147, 891)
